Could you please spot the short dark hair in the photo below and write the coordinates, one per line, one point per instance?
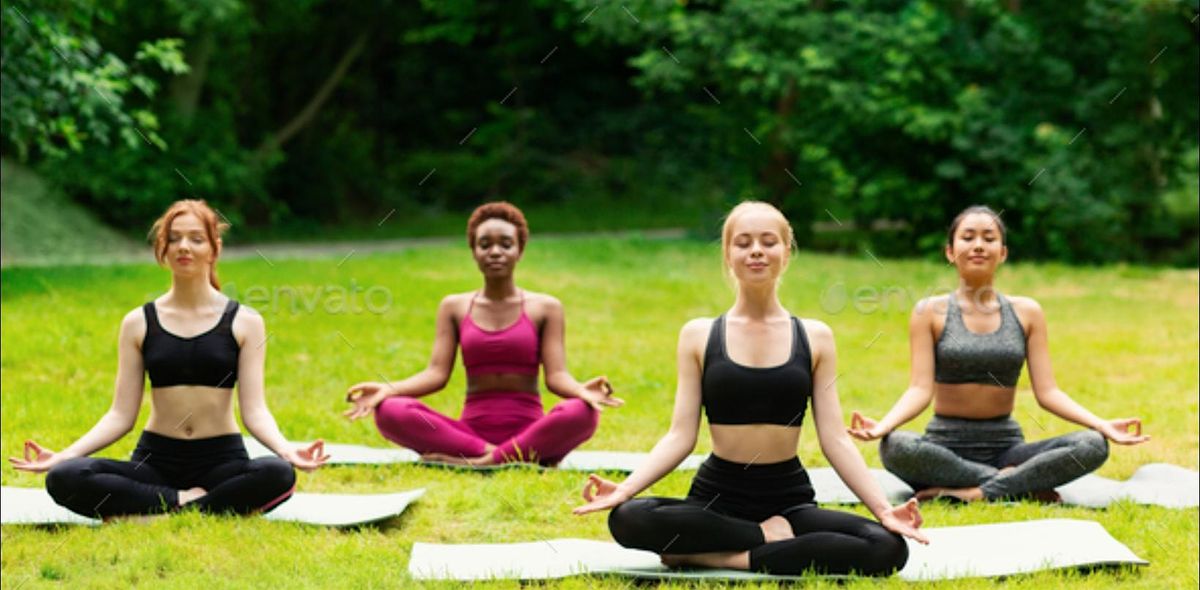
(502, 210)
(973, 209)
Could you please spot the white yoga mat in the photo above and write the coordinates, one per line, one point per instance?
(35, 506)
(1159, 484)
(343, 454)
(986, 550)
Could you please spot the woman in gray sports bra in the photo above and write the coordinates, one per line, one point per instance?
(967, 353)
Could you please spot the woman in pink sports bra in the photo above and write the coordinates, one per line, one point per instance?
(505, 333)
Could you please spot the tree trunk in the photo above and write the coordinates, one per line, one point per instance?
(306, 114)
(185, 90)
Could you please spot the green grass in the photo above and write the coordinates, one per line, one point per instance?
(41, 225)
(1124, 342)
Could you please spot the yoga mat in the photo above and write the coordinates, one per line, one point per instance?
(35, 506)
(343, 454)
(986, 550)
(1159, 484)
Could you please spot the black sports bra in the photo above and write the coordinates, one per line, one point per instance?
(737, 394)
(209, 359)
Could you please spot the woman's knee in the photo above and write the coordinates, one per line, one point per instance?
(630, 522)
(887, 553)
(1090, 448)
(274, 474)
(580, 415)
(896, 447)
(64, 480)
(396, 412)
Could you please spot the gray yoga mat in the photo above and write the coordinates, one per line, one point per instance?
(986, 550)
(343, 454)
(35, 506)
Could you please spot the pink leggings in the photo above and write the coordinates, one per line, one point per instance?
(511, 420)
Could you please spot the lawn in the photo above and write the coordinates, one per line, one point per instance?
(1124, 342)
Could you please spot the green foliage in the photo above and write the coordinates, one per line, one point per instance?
(63, 90)
(851, 115)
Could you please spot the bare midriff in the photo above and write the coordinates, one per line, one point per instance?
(973, 400)
(754, 443)
(502, 382)
(191, 412)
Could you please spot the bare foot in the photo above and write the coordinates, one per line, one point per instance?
(1046, 497)
(776, 528)
(963, 494)
(191, 495)
(480, 461)
(728, 560)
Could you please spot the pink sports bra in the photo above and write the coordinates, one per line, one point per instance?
(514, 349)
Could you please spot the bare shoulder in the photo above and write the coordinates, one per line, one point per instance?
(934, 305)
(1024, 304)
(134, 323)
(248, 320)
(544, 301)
(456, 303)
(695, 331)
(1029, 311)
(820, 335)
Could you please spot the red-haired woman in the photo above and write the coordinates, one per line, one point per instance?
(505, 334)
(195, 343)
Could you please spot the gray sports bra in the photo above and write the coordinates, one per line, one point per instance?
(995, 358)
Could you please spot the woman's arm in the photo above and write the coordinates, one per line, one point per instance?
(673, 447)
(367, 395)
(837, 446)
(120, 417)
(920, 386)
(597, 391)
(1055, 400)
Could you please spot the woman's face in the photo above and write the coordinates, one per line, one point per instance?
(756, 251)
(497, 250)
(978, 246)
(189, 253)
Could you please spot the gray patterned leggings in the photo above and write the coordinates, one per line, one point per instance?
(963, 453)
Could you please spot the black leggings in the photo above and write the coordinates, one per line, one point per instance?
(150, 481)
(725, 506)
